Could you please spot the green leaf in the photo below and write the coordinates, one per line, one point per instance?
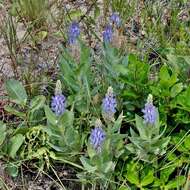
(163, 74)
(15, 143)
(66, 119)
(86, 163)
(13, 111)
(41, 35)
(121, 69)
(117, 123)
(39, 153)
(148, 179)
(183, 100)
(130, 147)
(84, 59)
(138, 70)
(141, 127)
(51, 117)
(124, 188)
(167, 80)
(75, 14)
(165, 173)
(68, 73)
(12, 170)
(176, 183)
(187, 142)
(91, 151)
(2, 132)
(156, 129)
(176, 89)
(37, 103)
(132, 174)
(108, 166)
(16, 92)
(157, 182)
(72, 138)
(60, 158)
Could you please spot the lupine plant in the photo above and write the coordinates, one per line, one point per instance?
(148, 144)
(104, 147)
(64, 138)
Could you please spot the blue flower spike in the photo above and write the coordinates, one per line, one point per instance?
(74, 32)
(58, 103)
(109, 105)
(150, 112)
(97, 136)
(115, 19)
(107, 34)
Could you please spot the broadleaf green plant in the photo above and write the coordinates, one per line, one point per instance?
(149, 143)
(99, 164)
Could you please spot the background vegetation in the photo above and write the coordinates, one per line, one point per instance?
(95, 95)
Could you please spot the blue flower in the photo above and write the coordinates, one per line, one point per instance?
(108, 34)
(109, 104)
(58, 104)
(150, 112)
(74, 32)
(115, 19)
(97, 137)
